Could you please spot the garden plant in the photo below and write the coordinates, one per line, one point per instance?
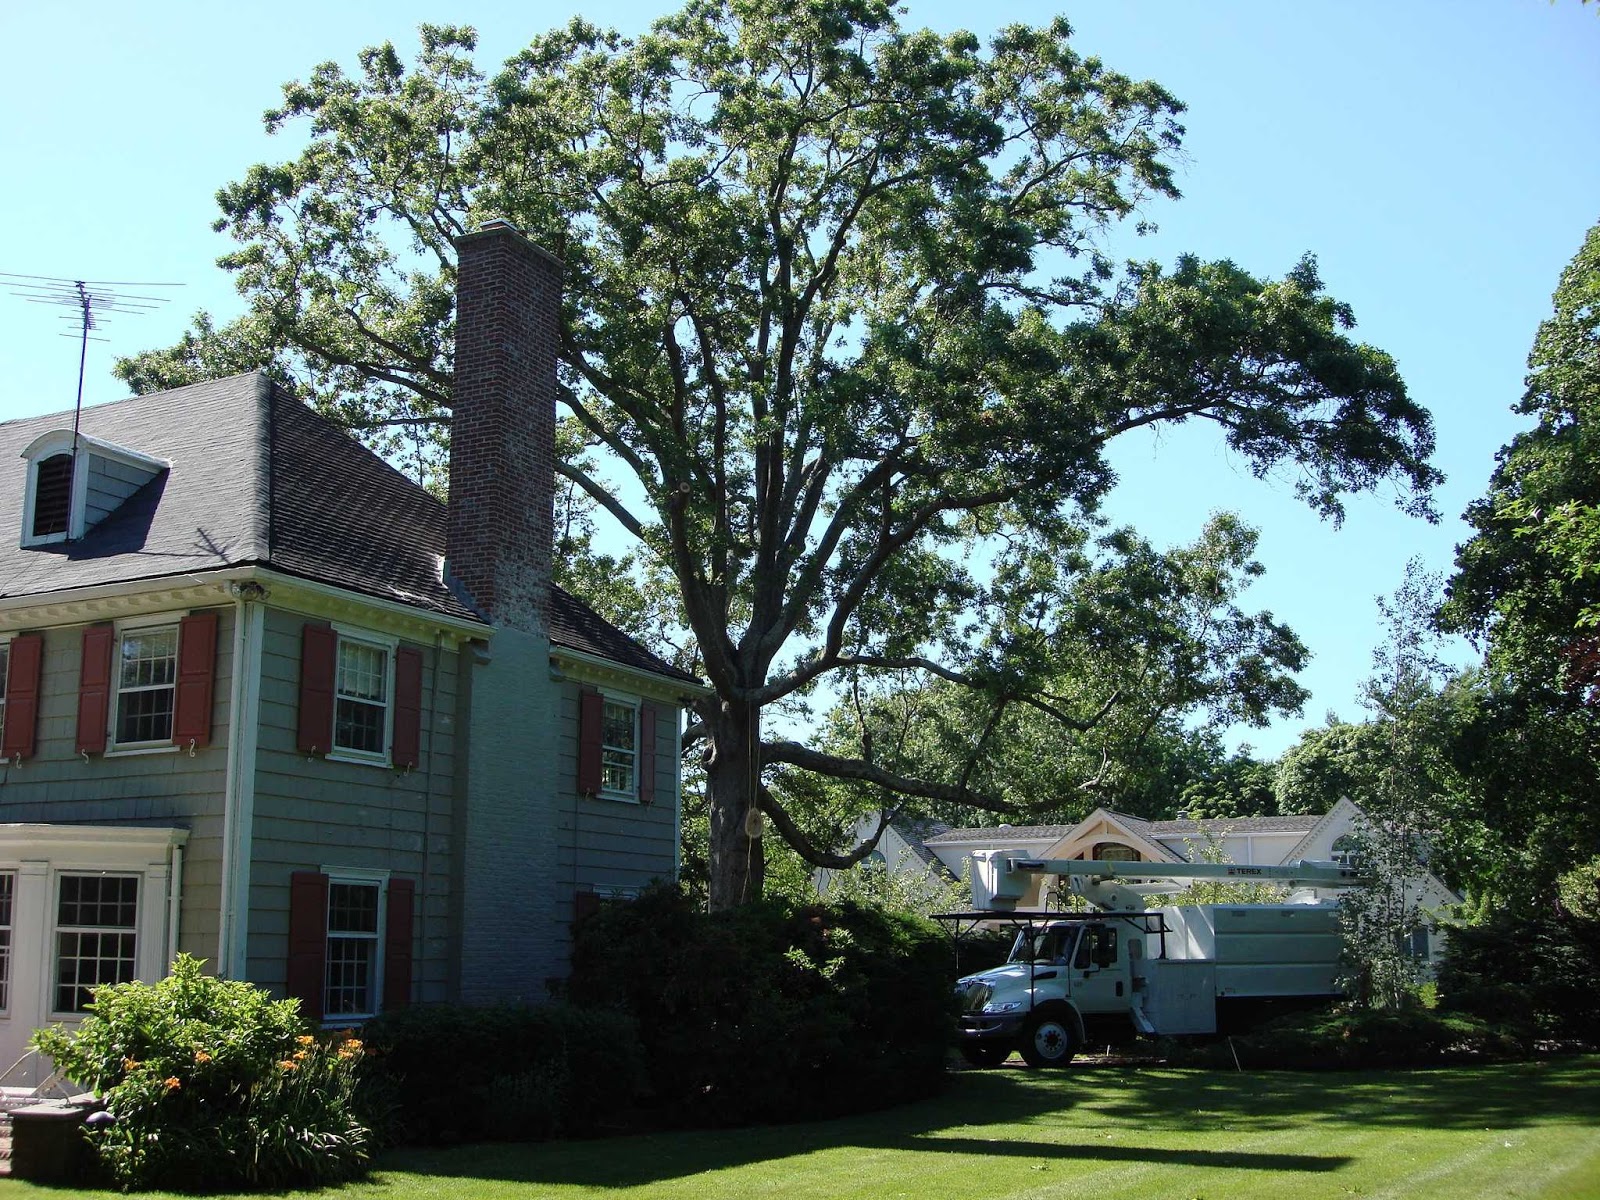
(212, 1084)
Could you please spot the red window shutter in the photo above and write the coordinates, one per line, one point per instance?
(397, 944)
(319, 646)
(647, 754)
(197, 667)
(584, 906)
(407, 747)
(94, 689)
(22, 695)
(308, 941)
(590, 719)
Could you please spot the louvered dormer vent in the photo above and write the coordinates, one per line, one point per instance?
(70, 492)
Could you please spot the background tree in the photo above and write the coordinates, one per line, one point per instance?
(1527, 584)
(837, 315)
(1239, 785)
(1326, 765)
(1528, 580)
(1401, 803)
(1080, 696)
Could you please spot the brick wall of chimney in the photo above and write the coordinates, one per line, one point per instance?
(502, 436)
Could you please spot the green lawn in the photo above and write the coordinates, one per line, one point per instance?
(1517, 1130)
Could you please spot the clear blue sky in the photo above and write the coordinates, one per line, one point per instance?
(1440, 159)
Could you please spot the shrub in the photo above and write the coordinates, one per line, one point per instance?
(212, 1084)
(772, 1012)
(1357, 1039)
(508, 1073)
(1536, 970)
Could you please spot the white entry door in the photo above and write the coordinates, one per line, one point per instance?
(71, 922)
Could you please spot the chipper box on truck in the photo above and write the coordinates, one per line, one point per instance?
(1169, 970)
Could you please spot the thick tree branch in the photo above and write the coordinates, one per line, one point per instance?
(806, 848)
(832, 765)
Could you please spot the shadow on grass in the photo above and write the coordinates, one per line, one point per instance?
(1008, 1104)
(1503, 1096)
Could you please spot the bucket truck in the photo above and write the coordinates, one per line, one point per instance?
(1163, 971)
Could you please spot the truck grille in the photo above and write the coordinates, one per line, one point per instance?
(973, 995)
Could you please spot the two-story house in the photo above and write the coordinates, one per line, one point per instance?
(268, 702)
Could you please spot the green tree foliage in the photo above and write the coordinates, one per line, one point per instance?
(1328, 764)
(1528, 583)
(1239, 785)
(1077, 698)
(1528, 579)
(836, 313)
(1402, 803)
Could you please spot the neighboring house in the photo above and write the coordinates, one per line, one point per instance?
(903, 851)
(1114, 836)
(268, 702)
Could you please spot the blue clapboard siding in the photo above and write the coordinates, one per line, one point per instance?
(311, 813)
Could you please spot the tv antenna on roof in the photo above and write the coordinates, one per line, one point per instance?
(91, 302)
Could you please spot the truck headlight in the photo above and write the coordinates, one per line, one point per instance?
(1003, 1006)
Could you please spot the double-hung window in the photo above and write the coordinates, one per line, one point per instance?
(146, 674)
(363, 685)
(96, 924)
(619, 746)
(351, 976)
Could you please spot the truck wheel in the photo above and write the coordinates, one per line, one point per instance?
(985, 1054)
(1048, 1041)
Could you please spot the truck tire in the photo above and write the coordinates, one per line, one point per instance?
(1048, 1040)
(985, 1054)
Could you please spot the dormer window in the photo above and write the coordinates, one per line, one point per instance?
(75, 482)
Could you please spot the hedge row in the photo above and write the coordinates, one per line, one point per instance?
(768, 1012)
(674, 1017)
(510, 1073)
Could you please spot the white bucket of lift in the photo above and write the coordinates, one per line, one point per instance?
(994, 884)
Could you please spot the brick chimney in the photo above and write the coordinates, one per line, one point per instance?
(502, 436)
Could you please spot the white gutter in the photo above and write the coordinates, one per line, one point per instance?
(662, 683)
(218, 580)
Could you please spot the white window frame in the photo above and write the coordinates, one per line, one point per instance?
(389, 645)
(78, 504)
(53, 982)
(631, 795)
(357, 877)
(8, 941)
(121, 629)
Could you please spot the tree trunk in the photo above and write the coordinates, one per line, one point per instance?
(733, 771)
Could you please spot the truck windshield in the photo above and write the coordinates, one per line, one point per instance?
(1052, 945)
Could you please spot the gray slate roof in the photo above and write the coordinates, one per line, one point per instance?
(1028, 833)
(1222, 825)
(1153, 829)
(917, 833)
(257, 478)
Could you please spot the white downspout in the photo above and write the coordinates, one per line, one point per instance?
(174, 903)
(239, 787)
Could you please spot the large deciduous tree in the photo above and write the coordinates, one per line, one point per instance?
(1527, 583)
(1529, 578)
(838, 310)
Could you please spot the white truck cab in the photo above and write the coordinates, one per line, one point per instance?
(1064, 976)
